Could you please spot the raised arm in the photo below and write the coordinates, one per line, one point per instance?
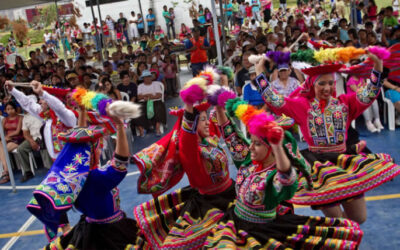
(295, 108)
(236, 142)
(189, 151)
(27, 103)
(66, 116)
(282, 183)
(365, 96)
(111, 174)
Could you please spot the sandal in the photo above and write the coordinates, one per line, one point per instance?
(4, 178)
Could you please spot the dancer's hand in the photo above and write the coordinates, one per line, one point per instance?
(37, 87)
(378, 65)
(275, 136)
(116, 119)
(8, 85)
(260, 66)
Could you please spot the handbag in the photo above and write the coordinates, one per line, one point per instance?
(150, 109)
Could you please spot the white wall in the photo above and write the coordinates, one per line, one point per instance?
(181, 11)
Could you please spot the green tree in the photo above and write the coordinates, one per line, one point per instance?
(48, 14)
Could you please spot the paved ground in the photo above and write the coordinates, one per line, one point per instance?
(381, 230)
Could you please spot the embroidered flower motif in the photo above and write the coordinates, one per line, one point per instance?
(337, 114)
(62, 187)
(78, 158)
(70, 168)
(319, 120)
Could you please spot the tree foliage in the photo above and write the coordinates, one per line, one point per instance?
(48, 14)
(20, 29)
(4, 22)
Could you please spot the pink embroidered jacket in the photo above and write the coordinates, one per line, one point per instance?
(327, 131)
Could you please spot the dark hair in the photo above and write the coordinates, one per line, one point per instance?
(56, 76)
(106, 64)
(389, 8)
(123, 74)
(12, 104)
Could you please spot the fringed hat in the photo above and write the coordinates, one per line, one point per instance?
(328, 61)
(97, 101)
(261, 124)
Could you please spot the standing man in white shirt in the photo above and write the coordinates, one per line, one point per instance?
(133, 27)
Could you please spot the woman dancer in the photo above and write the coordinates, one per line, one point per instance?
(76, 179)
(183, 218)
(262, 185)
(341, 176)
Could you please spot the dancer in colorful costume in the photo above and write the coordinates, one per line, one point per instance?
(184, 218)
(252, 223)
(340, 175)
(76, 179)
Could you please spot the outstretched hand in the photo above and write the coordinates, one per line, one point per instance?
(37, 87)
(8, 85)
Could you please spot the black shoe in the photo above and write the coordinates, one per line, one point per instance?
(27, 176)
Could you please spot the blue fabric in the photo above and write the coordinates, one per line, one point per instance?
(344, 36)
(255, 8)
(60, 188)
(252, 96)
(96, 198)
(393, 95)
(150, 16)
(228, 6)
(140, 24)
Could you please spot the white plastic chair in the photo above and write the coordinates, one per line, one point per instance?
(388, 112)
(125, 96)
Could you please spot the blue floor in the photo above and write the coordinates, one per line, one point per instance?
(381, 230)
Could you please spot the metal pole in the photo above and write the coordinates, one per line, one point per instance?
(223, 28)
(101, 28)
(10, 172)
(61, 32)
(95, 28)
(140, 7)
(216, 33)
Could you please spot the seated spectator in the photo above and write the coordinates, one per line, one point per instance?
(150, 90)
(159, 33)
(392, 91)
(250, 93)
(127, 86)
(33, 142)
(284, 84)
(184, 32)
(73, 80)
(12, 125)
(108, 88)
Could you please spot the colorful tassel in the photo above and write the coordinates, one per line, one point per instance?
(192, 94)
(87, 99)
(103, 105)
(381, 52)
(78, 94)
(95, 101)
